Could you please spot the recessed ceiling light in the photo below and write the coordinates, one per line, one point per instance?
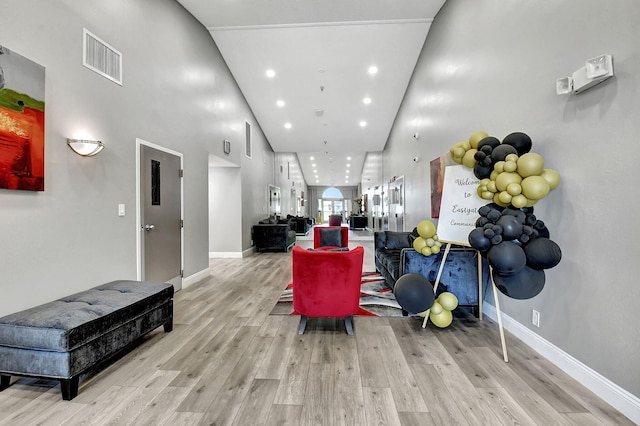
(349, 158)
(366, 101)
(349, 165)
(373, 70)
(280, 103)
(287, 125)
(312, 158)
(271, 73)
(313, 165)
(317, 181)
(347, 171)
(363, 123)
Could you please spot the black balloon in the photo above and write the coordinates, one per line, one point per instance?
(482, 172)
(520, 141)
(542, 253)
(414, 293)
(524, 285)
(511, 227)
(500, 153)
(478, 240)
(488, 141)
(507, 258)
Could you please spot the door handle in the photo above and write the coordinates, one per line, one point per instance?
(149, 227)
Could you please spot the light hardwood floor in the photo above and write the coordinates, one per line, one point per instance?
(228, 362)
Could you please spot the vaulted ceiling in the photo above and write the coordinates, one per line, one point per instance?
(321, 100)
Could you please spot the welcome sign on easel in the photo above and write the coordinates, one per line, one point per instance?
(460, 204)
(458, 216)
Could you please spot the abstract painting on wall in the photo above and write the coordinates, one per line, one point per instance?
(21, 122)
(437, 166)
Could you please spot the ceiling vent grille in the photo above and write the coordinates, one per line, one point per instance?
(98, 56)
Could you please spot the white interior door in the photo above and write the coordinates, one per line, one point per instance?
(160, 203)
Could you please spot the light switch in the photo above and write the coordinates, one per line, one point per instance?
(120, 209)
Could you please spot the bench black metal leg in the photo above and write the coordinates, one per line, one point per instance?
(69, 388)
(4, 382)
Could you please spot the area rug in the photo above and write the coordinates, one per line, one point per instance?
(376, 299)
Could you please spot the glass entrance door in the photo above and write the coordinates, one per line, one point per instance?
(330, 207)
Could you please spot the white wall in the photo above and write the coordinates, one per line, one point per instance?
(177, 93)
(492, 65)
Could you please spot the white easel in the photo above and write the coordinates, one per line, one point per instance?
(503, 342)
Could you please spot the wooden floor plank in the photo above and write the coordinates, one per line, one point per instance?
(379, 407)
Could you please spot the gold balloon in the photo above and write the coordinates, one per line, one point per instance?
(519, 201)
(499, 166)
(448, 301)
(504, 179)
(468, 160)
(443, 319)
(514, 189)
(436, 308)
(419, 243)
(530, 164)
(535, 187)
(552, 177)
(435, 249)
(477, 137)
(504, 197)
(426, 229)
(426, 250)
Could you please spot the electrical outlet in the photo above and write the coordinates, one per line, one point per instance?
(535, 318)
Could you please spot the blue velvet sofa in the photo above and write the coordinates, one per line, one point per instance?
(65, 338)
(395, 256)
(459, 275)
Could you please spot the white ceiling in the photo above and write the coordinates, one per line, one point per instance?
(321, 51)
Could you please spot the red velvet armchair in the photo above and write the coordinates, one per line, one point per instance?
(327, 284)
(330, 237)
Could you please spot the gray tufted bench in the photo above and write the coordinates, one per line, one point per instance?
(64, 338)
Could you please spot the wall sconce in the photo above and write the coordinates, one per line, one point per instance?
(85, 147)
(595, 71)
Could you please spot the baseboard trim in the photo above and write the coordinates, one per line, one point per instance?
(194, 278)
(622, 400)
(225, 255)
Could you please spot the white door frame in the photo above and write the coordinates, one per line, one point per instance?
(139, 143)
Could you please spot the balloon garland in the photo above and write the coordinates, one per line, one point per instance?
(427, 243)
(515, 243)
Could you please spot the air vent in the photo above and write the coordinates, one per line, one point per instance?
(98, 56)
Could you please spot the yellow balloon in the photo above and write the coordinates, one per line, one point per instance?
(422, 314)
(435, 249)
(496, 199)
(535, 187)
(459, 151)
(505, 197)
(436, 308)
(419, 243)
(430, 242)
(477, 137)
(530, 164)
(519, 201)
(426, 250)
(499, 166)
(426, 229)
(487, 195)
(468, 160)
(492, 186)
(514, 189)
(511, 157)
(448, 301)
(552, 177)
(504, 179)
(493, 175)
(510, 166)
(443, 319)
